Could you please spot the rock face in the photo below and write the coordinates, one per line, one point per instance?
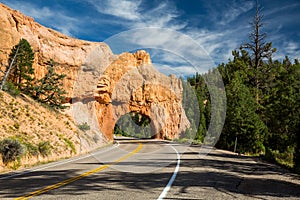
(101, 86)
(132, 84)
(69, 53)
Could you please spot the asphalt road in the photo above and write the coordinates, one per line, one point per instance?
(150, 169)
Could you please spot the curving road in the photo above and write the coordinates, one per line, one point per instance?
(152, 169)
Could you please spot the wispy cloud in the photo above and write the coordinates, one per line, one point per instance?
(222, 27)
(292, 49)
(181, 71)
(126, 9)
(132, 14)
(170, 44)
(223, 13)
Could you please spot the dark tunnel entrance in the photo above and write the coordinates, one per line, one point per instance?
(135, 125)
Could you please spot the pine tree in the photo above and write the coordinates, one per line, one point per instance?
(242, 122)
(259, 50)
(297, 119)
(192, 102)
(21, 72)
(49, 89)
(297, 152)
(7, 69)
(282, 106)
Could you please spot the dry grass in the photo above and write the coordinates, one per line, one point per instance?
(28, 121)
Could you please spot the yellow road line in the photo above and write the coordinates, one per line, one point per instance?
(70, 180)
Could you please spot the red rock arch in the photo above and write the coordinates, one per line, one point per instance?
(131, 84)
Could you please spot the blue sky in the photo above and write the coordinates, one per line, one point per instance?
(218, 26)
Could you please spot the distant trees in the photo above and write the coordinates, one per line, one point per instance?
(134, 124)
(263, 101)
(297, 152)
(193, 105)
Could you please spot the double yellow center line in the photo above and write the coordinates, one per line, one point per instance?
(70, 180)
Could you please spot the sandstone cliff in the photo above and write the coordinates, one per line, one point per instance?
(101, 86)
(69, 53)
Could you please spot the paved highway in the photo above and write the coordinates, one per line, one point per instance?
(151, 169)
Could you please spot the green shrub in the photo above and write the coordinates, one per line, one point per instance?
(84, 126)
(182, 140)
(44, 148)
(11, 89)
(10, 150)
(70, 144)
(31, 149)
(282, 158)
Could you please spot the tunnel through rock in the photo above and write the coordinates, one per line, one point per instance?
(135, 125)
(130, 84)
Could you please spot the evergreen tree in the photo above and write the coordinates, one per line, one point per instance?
(192, 101)
(259, 50)
(7, 69)
(21, 72)
(49, 89)
(297, 152)
(242, 121)
(283, 105)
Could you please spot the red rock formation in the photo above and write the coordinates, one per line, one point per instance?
(69, 53)
(131, 84)
(123, 83)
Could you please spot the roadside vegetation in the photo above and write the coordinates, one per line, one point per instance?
(263, 104)
(263, 101)
(17, 79)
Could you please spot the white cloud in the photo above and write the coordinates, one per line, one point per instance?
(277, 9)
(125, 9)
(291, 49)
(217, 43)
(225, 12)
(181, 71)
(167, 57)
(162, 16)
(132, 14)
(227, 30)
(169, 44)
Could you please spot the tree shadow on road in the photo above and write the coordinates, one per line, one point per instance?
(216, 171)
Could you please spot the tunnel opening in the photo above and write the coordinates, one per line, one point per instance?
(134, 124)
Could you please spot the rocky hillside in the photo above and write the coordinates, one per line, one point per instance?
(33, 124)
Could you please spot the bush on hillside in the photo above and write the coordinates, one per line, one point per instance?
(44, 148)
(10, 150)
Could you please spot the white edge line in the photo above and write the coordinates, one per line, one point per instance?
(167, 188)
(58, 163)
